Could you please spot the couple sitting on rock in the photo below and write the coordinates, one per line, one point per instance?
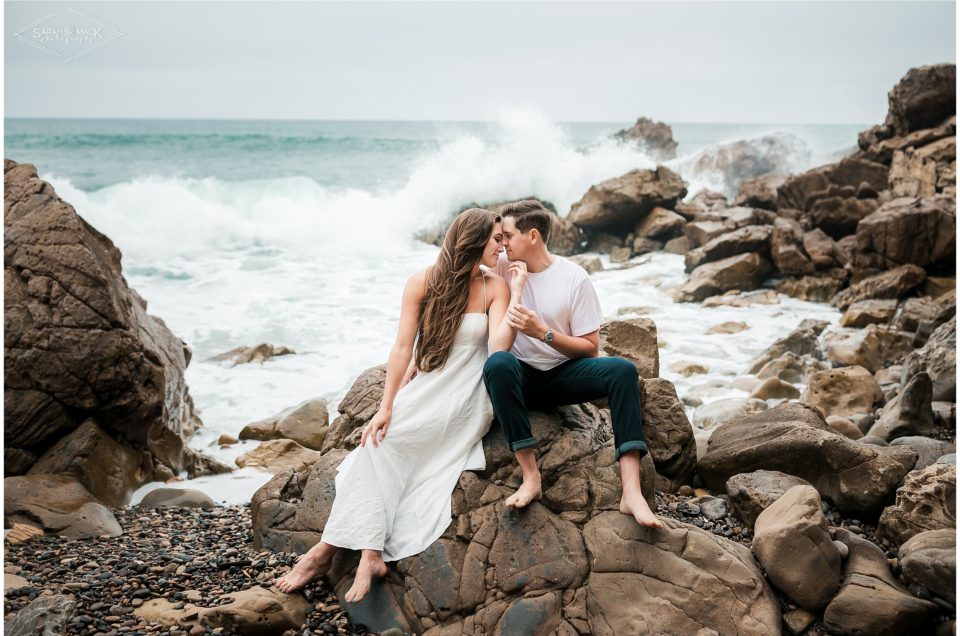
(474, 344)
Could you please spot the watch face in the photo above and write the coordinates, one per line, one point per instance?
(549, 336)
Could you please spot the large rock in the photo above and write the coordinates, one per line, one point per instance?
(176, 498)
(802, 341)
(719, 412)
(790, 367)
(750, 238)
(843, 179)
(868, 312)
(668, 432)
(760, 192)
(938, 358)
(928, 449)
(58, 504)
(786, 248)
(929, 559)
(793, 545)
(871, 600)
(279, 455)
(256, 610)
(844, 391)
(871, 348)
(908, 230)
(742, 272)
(794, 438)
(78, 341)
(644, 582)
(838, 216)
(814, 289)
(660, 224)
(109, 470)
(618, 204)
(634, 339)
(305, 424)
(43, 616)
(909, 412)
(923, 98)
(912, 175)
(752, 493)
(654, 137)
(892, 284)
(927, 500)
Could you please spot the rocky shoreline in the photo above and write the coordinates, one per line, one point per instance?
(823, 502)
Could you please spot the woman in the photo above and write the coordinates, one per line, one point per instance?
(394, 493)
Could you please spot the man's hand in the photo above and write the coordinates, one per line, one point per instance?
(519, 271)
(526, 322)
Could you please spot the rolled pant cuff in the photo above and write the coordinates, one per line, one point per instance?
(521, 444)
(629, 446)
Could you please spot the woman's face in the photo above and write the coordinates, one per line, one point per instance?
(492, 249)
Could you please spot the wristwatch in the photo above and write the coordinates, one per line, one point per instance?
(548, 337)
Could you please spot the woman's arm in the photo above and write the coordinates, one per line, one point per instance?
(400, 356)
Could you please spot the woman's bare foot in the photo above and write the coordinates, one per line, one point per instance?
(634, 504)
(371, 567)
(528, 491)
(307, 568)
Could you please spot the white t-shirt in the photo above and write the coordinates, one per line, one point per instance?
(564, 298)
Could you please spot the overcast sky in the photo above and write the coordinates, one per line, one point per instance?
(764, 62)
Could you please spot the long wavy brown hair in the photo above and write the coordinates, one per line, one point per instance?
(448, 286)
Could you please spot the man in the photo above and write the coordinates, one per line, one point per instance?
(556, 320)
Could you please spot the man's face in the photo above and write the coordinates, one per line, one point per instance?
(515, 242)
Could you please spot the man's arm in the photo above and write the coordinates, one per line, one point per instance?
(528, 323)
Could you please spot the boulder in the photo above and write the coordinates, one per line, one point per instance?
(790, 367)
(741, 272)
(786, 248)
(176, 498)
(923, 98)
(928, 449)
(815, 289)
(868, 312)
(109, 470)
(871, 348)
(656, 138)
(802, 341)
(909, 231)
(245, 355)
(760, 192)
(839, 216)
(726, 410)
(824, 252)
(256, 610)
(895, 283)
(680, 245)
(938, 358)
(871, 600)
(660, 224)
(656, 582)
(844, 426)
(909, 413)
(634, 339)
(916, 311)
(702, 232)
(844, 391)
(668, 432)
(775, 389)
(618, 204)
(843, 179)
(79, 341)
(750, 238)
(793, 438)
(912, 175)
(929, 559)
(927, 500)
(752, 493)
(59, 505)
(279, 455)
(793, 545)
(305, 424)
(43, 616)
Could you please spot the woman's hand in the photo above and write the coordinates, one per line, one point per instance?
(519, 271)
(376, 429)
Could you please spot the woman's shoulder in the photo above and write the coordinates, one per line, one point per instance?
(496, 281)
(417, 284)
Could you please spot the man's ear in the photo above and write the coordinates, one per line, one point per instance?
(534, 235)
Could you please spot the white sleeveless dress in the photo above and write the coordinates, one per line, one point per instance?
(397, 497)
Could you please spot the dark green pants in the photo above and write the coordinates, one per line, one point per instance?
(515, 386)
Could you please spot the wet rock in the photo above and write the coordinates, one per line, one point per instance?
(245, 355)
(753, 492)
(741, 272)
(790, 367)
(914, 311)
(801, 192)
(840, 214)
(655, 138)
(925, 501)
(891, 284)
(786, 248)
(618, 204)
(751, 238)
(305, 424)
(815, 289)
(760, 192)
(739, 161)
(871, 600)
(703, 231)
(824, 252)
(661, 224)
(279, 455)
(868, 312)
(843, 391)
(634, 339)
(870, 348)
(176, 498)
(909, 231)
(44, 616)
(793, 438)
(726, 410)
(80, 343)
(680, 245)
(938, 358)
(802, 341)
(929, 559)
(730, 326)
(793, 545)
(58, 504)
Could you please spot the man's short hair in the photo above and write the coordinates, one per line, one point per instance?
(529, 214)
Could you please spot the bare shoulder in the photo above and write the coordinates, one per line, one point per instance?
(416, 285)
(497, 284)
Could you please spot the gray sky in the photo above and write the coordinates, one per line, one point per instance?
(764, 62)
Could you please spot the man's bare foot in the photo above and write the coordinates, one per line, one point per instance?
(528, 491)
(370, 568)
(636, 505)
(304, 570)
